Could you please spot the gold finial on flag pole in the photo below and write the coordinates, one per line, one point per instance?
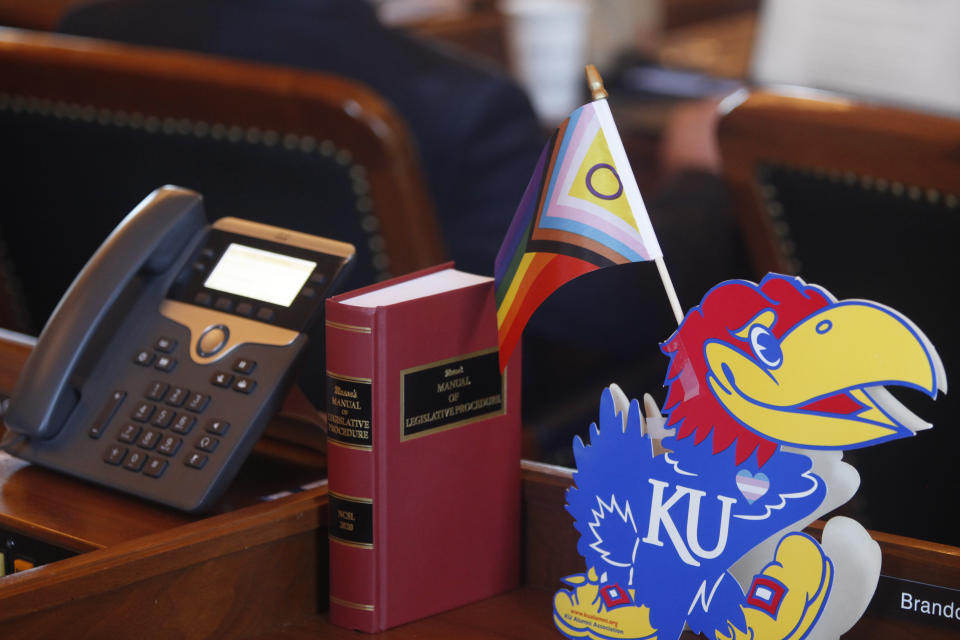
(595, 82)
(598, 92)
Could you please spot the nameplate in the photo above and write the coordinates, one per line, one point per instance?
(451, 393)
(916, 602)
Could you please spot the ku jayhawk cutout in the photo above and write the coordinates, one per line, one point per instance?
(694, 520)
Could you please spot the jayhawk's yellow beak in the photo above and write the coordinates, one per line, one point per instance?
(821, 384)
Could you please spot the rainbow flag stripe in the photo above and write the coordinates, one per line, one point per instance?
(581, 211)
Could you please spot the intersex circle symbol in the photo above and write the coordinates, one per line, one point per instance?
(594, 169)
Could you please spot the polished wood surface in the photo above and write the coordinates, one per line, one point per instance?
(831, 134)
(173, 84)
(231, 574)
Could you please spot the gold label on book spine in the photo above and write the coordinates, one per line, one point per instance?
(351, 520)
(349, 411)
(451, 393)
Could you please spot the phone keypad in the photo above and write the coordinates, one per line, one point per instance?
(163, 446)
(153, 434)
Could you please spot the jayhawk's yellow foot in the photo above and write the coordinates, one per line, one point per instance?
(601, 612)
(785, 600)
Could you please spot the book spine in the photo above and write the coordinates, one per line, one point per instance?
(351, 364)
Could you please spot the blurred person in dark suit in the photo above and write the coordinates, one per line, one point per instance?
(476, 133)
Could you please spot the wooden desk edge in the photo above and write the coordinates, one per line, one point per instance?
(162, 553)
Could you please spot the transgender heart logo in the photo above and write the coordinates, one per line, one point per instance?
(752, 486)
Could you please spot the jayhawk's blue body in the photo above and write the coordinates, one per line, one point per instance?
(616, 469)
(752, 369)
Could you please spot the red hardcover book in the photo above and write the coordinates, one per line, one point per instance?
(424, 449)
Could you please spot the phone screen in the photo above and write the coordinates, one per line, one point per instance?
(261, 275)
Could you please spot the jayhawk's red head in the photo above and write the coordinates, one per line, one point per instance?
(785, 363)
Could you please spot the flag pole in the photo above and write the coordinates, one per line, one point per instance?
(598, 92)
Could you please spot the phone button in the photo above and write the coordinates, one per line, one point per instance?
(207, 443)
(163, 418)
(166, 345)
(106, 414)
(221, 379)
(196, 460)
(244, 385)
(143, 358)
(155, 468)
(198, 402)
(212, 340)
(165, 363)
(177, 396)
(242, 365)
(143, 412)
(129, 432)
(149, 439)
(135, 461)
(169, 445)
(157, 390)
(183, 424)
(218, 427)
(115, 454)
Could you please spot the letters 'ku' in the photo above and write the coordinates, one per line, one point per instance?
(695, 519)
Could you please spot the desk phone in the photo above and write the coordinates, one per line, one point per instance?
(162, 364)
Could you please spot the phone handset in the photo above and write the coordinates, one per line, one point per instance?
(147, 242)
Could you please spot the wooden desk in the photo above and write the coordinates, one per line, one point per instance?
(259, 568)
